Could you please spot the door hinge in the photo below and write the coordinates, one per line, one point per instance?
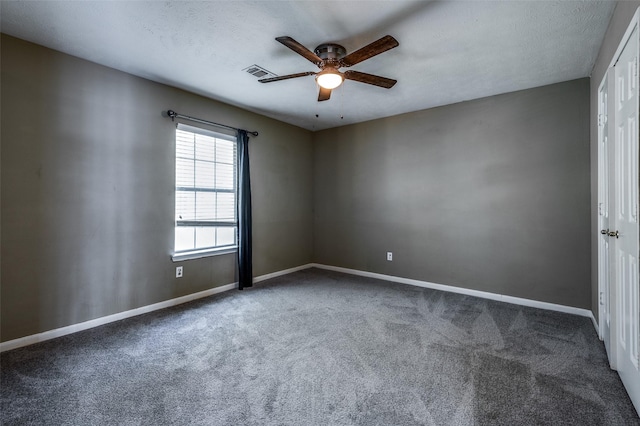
(600, 209)
(599, 120)
(601, 293)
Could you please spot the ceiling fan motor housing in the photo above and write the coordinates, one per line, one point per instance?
(330, 52)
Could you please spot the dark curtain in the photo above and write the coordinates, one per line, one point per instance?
(245, 270)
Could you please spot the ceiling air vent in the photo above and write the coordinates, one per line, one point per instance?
(259, 72)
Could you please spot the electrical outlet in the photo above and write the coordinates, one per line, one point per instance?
(179, 272)
(389, 256)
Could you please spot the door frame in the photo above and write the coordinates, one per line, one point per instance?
(609, 79)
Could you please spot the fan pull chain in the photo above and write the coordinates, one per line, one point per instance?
(316, 108)
(342, 102)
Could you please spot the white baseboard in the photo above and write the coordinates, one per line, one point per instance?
(74, 328)
(280, 273)
(477, 293)
(595, 324)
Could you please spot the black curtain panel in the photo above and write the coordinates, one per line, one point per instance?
(245, 269)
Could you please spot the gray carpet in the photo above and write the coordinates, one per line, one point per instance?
(321, 348)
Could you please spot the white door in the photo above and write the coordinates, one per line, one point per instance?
(604, 181)
(624, 235)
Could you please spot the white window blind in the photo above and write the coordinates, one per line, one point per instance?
(206, 193)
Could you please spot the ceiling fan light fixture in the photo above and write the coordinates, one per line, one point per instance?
(329, 79)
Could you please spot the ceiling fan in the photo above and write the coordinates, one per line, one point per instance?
(330, 57)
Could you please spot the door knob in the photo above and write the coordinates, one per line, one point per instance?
(604, 232)
(614, 234)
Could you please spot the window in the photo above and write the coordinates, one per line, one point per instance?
(206, 192)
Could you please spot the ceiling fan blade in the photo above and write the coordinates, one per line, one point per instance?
(377, 47)
(324, 94)
(376, 80)
(300, 49)
(286, 77)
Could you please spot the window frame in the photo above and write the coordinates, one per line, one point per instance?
(196, 253)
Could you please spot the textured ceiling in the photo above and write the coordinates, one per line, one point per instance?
(449, 51)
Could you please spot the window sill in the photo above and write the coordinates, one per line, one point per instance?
(197, 254)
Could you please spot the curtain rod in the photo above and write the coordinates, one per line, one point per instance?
(174, 115)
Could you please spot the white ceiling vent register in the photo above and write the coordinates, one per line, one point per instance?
(259, 72)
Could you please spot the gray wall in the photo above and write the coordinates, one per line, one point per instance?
(87, 191)
(491, 194)
(617, 26)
